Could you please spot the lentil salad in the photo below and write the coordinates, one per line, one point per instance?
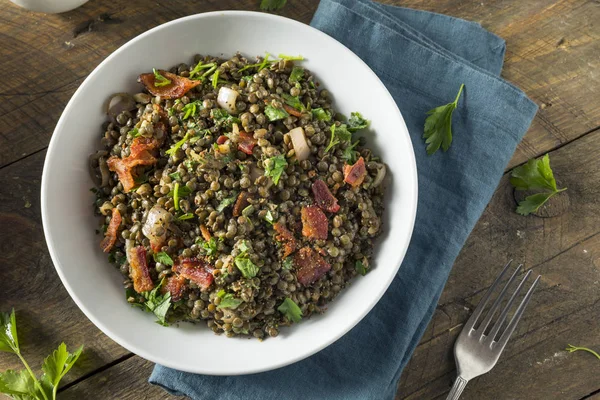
(232, 192)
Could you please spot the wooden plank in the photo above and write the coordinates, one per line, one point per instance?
(565, 250)
(46, 315)
(544, 32)
(123, 381)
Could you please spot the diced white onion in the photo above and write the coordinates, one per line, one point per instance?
(227, 99)
(157, 222)
(299, 142)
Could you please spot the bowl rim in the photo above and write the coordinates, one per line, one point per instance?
(133, 347)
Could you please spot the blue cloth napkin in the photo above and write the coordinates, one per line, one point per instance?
(422, 58)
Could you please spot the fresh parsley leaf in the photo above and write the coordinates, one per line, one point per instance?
(292, 58)
(197, 70)
(228, 301)
(438, 126)
(163, 258)
(321, 115)
(360, 268)
(183, 191)
(269, 217)
(246, 267)
(297, 74)
(226, 202)
(221, 293)
(157, 303)
(243, 247)
(248, 210)
(275, 114)
(190, 109)
(215, 79)
(265, 62)
(535, 175)
(350, 155)
(274, 167)
(9, 341)
(185, 216)
(175, 176)
(290, 310)
(177, 145)
(57, 365)
(357, 122)
(134, 133)
(339, 134)
(293, 101)
(210, 248)
(19, 385)
(287, 264)
(247, 78)
(272, 5)
(572, 349)
(223, 117)
(160, 80)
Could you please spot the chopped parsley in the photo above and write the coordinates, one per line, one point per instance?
(226, 202)
(357, 122)
(338, 134)
(290, 310)
(190, 109)
(246, 267)
(293, 101)
(292, 58)
(163, 258)
(247, 78)
(321, 115)
(287, 264)
(185, 216)
(248, 210)
(275, 114)
(297, 74)
(160, 80)
(269, 217)
(158, 303)
(134, 133)
(350, 155)
(229, 301)
(177, 145)
(221, 116)
(215, 79)
(197, 70)
(210, 248)
(274, 167)
(360, 268)
(175, 176)
(178, 192)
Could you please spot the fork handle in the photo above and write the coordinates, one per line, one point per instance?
(457, 389)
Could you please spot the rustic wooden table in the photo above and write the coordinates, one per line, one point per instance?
(553, 55)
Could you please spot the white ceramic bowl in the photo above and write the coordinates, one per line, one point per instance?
(49, 6)
(69, 222)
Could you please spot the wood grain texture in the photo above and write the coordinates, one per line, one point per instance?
(46, 315)
(566, 250)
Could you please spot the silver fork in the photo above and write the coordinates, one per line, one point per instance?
(477, 352)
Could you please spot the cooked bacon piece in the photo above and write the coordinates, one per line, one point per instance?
(292, 110)
(246, 142)
(205, 232)
(240, 204)
(323, 197)
(140, 154)
(142, 282)
(355, 174)
(195, 269)
(222, 139)
(314, 223)
(310, 266)
(110, 237)
(178, 87)
(286, 237)
(175, 286)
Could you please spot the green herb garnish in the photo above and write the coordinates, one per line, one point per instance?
(223, 117)
(321, 115)
(199, 68)
(210, 248)
(228, 301)
(357, 122)
(293, 101)
(291, 58)
(190, 109)
(287, 264)
(297, 74)
(246, 267)
(438, 126)
(175, 176)
(248, 210)
(215, 79)
(160, 80)
(226, 202)
(275, 166)
(350, 155)
(177, 145)
(269, 217)
(157, 303)
(535, 175)
(360, 268)
(185, 216)
(275, 114)
(247, 78)
(339, 134)
(134, 133)
(24, 384)
(163, 258)
(572, 349)
(290, 310)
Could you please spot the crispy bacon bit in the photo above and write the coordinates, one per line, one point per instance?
(178, 87)
(205, 233)
(142, 282)
(176, 286)
(246, 142)
(110, 237)
(195, 269)
(292, 110)
(310, 266)
(240, 204)
(323, 197)
(222, 139)
(314, 223)
(140, 154)
(286, 237)
(355, 174)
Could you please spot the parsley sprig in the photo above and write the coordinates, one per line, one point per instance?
(275, 166)
(24, 384)
(290, 310)
(572, 349)
(535, 175)
(438, 126)
(160, 80)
